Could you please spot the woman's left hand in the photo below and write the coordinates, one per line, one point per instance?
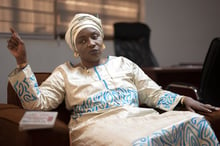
(196, 106)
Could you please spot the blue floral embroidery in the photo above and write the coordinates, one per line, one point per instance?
(195, 132)
(34, 80)
(107, 99)
(167, 100)
(21, 88)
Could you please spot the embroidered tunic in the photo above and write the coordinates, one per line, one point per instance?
(106, 97)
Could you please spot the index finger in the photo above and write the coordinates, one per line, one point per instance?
(12, 30)
(15, 34)
(211, 107)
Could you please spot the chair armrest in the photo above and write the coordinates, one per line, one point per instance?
(184, 89)
(10, 116)
(214, 119)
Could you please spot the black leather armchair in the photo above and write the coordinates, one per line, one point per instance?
(210, 81)
(208, 90)
(131, 40)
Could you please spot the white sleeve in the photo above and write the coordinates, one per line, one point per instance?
(151, 94)
(45, 97)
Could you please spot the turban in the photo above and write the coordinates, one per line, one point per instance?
(79, 22)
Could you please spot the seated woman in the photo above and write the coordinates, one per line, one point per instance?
(104, 94)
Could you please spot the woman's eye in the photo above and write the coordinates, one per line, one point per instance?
(94, 36)
(82, 41)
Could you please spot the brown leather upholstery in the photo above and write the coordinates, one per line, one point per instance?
(11, 114)
(13, 98)
(214, 120)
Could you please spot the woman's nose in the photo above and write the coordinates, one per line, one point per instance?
(91, 42)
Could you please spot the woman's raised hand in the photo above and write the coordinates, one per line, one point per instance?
(17, 48)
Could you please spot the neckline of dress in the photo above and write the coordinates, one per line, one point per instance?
(103, 62)
(80, 65)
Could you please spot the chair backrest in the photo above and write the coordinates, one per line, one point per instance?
(131, 40)
(210, 80)
(12, 98)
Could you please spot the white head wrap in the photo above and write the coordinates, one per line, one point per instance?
(79, 22)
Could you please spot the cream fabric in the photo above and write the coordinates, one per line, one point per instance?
(125, 126)
(101, 87)
(108, 94)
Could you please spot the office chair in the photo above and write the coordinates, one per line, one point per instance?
(131, 40)
(210, 80)
(208, 91)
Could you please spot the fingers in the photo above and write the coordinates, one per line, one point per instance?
(190, 109)
(211, 107)
(206, 108)
(14, 41)
(12, 30)
(217, 108)
(193, 105)
(15, 34)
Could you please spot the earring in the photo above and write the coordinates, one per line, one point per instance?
(103, 46)
(76, 54)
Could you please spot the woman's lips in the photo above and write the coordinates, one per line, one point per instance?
(94, 51)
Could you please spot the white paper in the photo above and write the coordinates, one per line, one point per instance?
(37, 120)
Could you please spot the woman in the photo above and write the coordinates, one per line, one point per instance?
(103, 94)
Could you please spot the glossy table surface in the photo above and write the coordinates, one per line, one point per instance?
(167, 75)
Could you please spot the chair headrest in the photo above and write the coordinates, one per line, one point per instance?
(130, 30)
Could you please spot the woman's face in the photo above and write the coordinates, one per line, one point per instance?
(89, 45)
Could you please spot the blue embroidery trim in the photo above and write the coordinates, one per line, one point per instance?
(34, 80)
(97, 73)
(104, 82)
(195, 132)
(166, 100)
(22, 89)
(107, 99)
